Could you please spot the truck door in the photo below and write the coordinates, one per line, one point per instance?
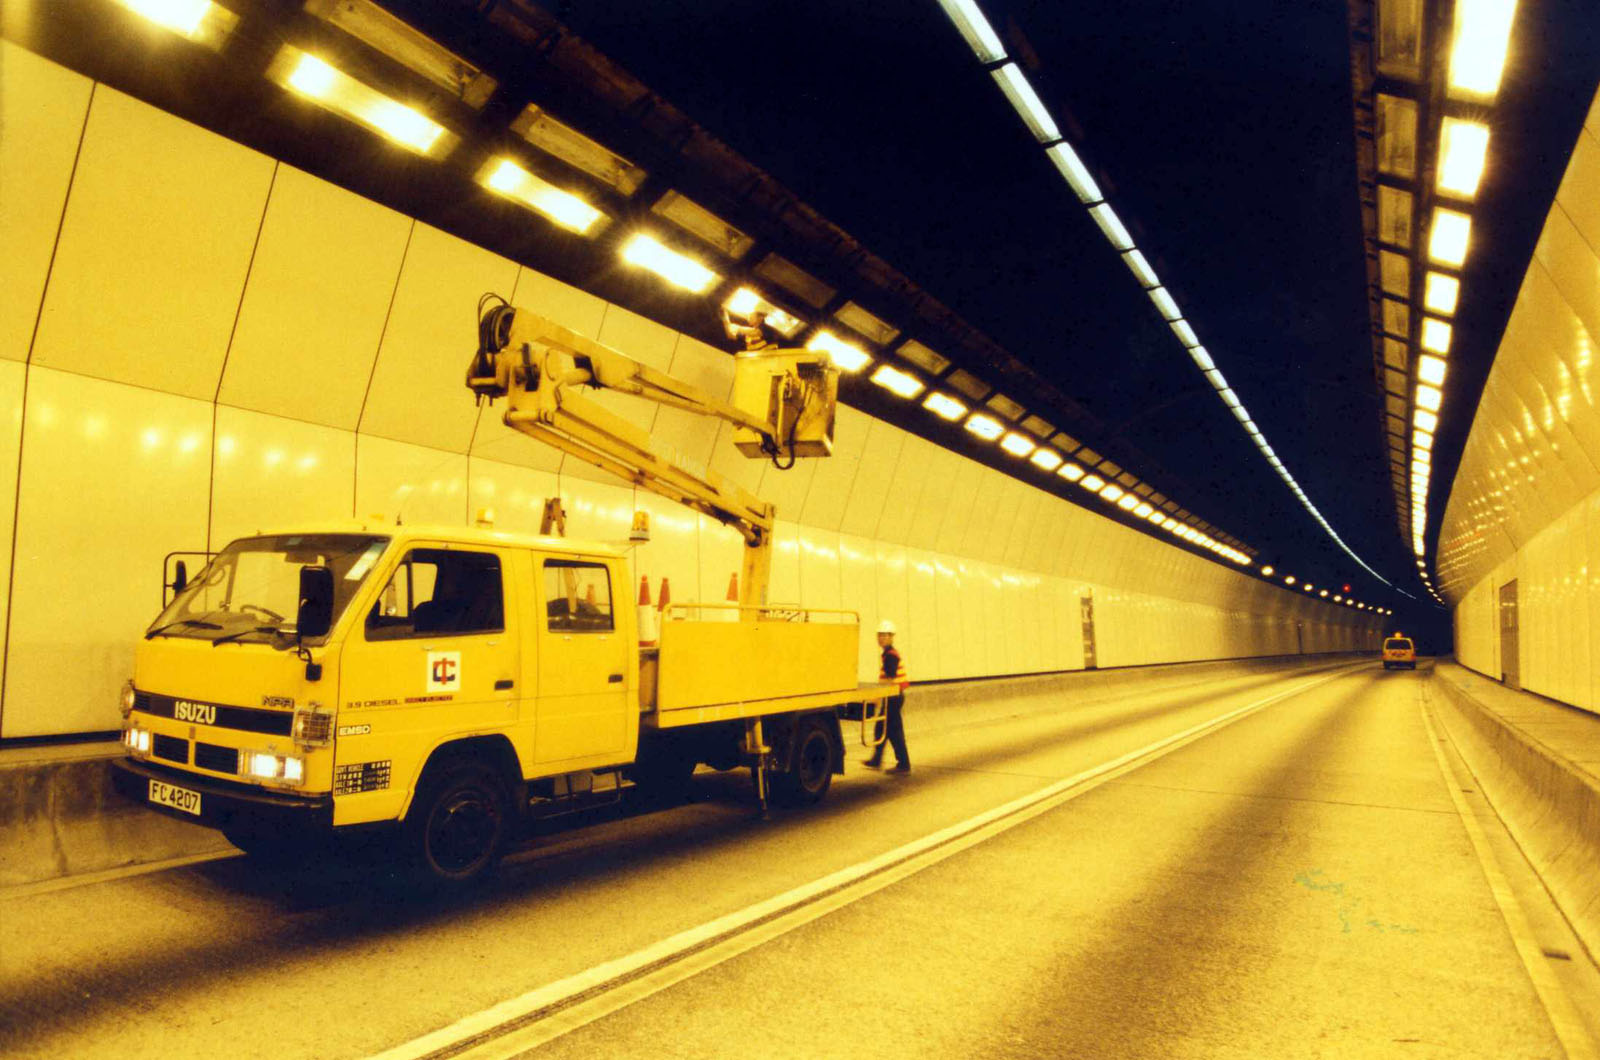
(436, 654)
(582, 709)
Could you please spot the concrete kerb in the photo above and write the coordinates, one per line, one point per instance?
(1550, 806)
(60, 817)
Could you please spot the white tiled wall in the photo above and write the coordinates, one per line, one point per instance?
(1525, 505)
(226, 343)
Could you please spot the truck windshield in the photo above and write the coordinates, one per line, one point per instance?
(251, 590)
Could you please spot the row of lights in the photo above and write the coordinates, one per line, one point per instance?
(981, 38)
(1339, 598)
(1477, 60)
(314, 78)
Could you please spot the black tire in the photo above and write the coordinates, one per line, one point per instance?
(811, 772)
(457, 827)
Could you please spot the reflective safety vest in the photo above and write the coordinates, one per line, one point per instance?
(891, 667)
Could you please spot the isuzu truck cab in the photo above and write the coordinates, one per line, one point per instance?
(450, 679)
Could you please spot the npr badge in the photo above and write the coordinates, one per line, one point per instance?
(444, 671)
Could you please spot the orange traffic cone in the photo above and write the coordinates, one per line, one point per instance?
(666, 594)
(648, 620)
(733, 587)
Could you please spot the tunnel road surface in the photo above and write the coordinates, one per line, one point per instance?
(1264, 865)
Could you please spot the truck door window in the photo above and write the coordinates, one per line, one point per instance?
(439, 591)
(577, 597)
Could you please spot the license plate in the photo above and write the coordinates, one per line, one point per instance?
(178, 798)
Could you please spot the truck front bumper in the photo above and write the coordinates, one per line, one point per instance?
(224, 804)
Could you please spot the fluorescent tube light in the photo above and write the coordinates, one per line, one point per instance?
(1185, 334)
(1164, 303)
(1017, 445)
(1439, 293)
(1202, 358)
(514, 182)
(746, 301)
(1430, 370)
(945, 407)
(901, 384)
(337, 91)
(1111, 225)
(1078, 177)
(1435, 335)
(1045, 459)
(1478, 50)
(1428, 421)
(1026, 101)
(1070, 471)
(974, 29)
(848, 356)
(1463, 147)
(1447, 242)
(986, 427)
(677, 269)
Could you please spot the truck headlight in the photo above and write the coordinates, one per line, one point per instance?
(265, 766)
(136, 739)
(128, 698)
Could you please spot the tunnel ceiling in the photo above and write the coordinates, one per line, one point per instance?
(1223, 132)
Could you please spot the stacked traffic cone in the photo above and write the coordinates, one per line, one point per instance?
(649, 624)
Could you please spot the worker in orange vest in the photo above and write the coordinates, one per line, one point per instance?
(892, 668)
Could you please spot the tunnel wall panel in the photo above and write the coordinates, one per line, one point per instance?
(1525, 503)
(230, 344)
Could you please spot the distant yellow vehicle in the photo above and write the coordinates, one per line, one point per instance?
(451, 680)
(1399, 651)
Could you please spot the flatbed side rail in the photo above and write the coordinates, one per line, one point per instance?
(769, 612)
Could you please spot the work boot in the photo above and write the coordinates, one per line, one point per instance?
(872, 763)
(901, 767)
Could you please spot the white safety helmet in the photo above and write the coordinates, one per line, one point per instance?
(886, 627)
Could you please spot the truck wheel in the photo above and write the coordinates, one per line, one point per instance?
(458, 824)
(811, 773)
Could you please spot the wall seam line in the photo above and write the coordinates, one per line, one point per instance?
(372, 371)
(227, 351)
(27, 375)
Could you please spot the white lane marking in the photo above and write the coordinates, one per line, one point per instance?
(541, 1004)
(1564, 1018)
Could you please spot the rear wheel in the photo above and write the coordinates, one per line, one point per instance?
(811, 773)
(458, 825)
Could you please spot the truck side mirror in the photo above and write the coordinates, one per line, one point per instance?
(315, 617)
(180, 577)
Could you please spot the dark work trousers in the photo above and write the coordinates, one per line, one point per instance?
(896, 727)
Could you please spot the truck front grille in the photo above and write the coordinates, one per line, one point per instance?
(217, 759)
(172, 748)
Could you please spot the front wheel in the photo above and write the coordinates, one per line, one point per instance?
(811, 773)
(458, 825)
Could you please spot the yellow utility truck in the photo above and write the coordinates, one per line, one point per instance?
(454, 681)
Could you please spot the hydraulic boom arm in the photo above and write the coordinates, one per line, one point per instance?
(783, 408)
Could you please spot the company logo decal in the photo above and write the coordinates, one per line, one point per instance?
(444, 671)
(201, 713)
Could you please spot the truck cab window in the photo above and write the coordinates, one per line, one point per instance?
(577, 597)
(439, 591)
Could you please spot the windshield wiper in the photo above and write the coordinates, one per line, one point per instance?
(192, 622)
(245, 633)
